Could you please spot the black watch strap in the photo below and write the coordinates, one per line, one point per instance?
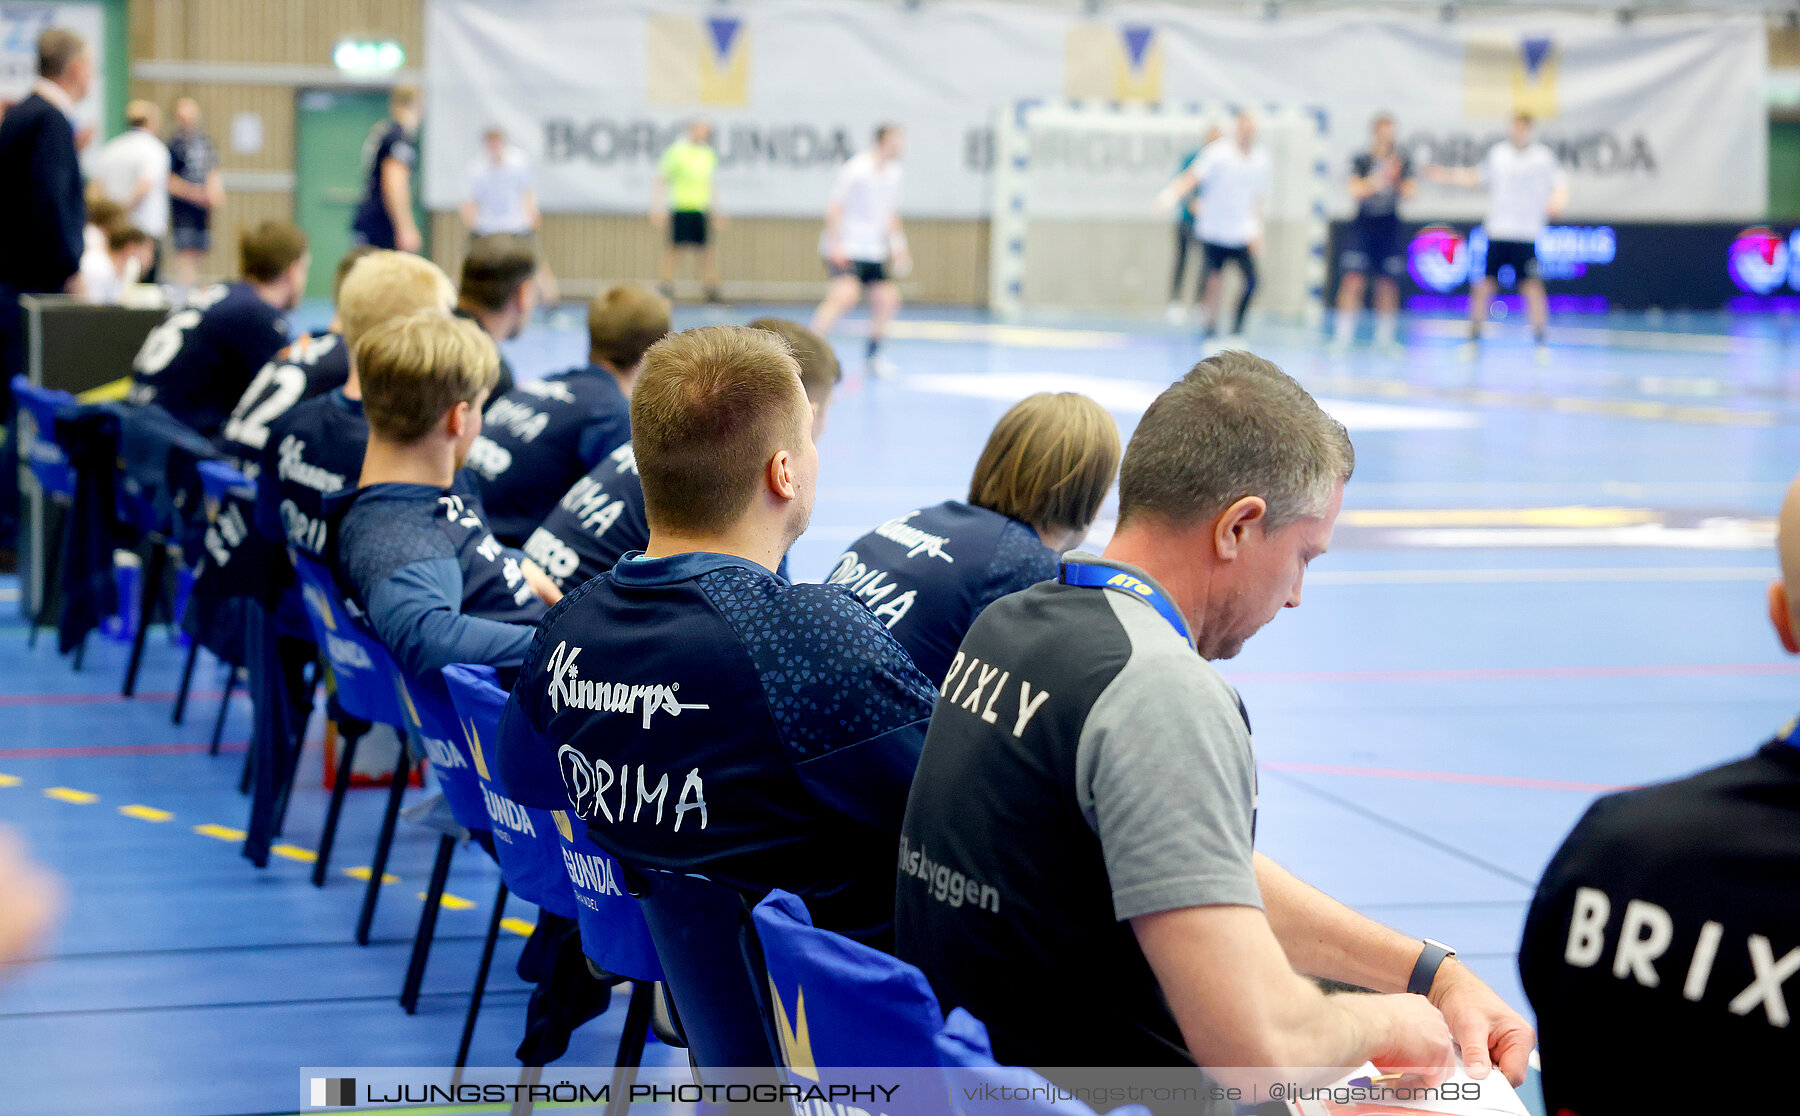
(1425, 970)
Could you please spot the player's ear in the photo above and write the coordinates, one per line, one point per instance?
(1232, 524)
(1782, 617)
(779, 475)
(456, 420)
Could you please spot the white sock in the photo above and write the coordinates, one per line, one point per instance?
(1344, 328)
(1387, 326)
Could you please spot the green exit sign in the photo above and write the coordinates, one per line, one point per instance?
(368, 56)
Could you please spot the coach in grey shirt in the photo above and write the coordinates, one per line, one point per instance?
(1077, 866)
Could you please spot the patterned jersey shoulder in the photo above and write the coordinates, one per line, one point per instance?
(831, 673)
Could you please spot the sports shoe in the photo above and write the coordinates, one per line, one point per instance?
(882, 368)
(1176, 314)
(1541, 354)
(1468, 351)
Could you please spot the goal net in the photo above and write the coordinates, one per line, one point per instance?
(1074, 226)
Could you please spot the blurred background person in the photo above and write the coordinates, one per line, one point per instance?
(863, 243)
(133, 169)
(1380, 179)
(195, 191)
(123, 260)
(684, 206)
(384, 218)
(502, 201)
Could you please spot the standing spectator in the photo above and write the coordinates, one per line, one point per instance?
(684, 205)
(133, 169)
(195, 190)
(40, 193)
(502, 201)
(862, 238)
(384, 219)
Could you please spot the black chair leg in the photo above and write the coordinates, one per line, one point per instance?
(187, 682)
(247, 772)
(481, 976)
(339, 788)
(383, 843)
(50, 581)
(421, 950)
(156, 560)
(224, 708)
(631, 1046)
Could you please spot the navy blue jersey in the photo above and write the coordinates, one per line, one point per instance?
(312, 452)
(1384, 203)
(507, 381)
(703, 715)
(197, 363)
(539, 438)
(596, 523)
(372, 222)
(928, 574)
(310, 367)
(192, 157)
(432, 580)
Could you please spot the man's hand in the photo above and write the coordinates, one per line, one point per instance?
(540, 582)
(1255, 245)
(1487, 1030)
(30, 900)
(408, 239)
(1415, 1037)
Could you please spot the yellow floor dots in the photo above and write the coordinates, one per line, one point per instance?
(70, 794)
(146, 813)
(362, 873)
(518, 926)
(221, 832)
(294, 852)
(9, 780)
(453, 902)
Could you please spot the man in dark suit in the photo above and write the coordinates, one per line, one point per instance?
(40, 200)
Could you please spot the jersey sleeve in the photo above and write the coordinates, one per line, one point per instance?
(1166, 778)
(665, 164)
(601, 436)
(417, 612)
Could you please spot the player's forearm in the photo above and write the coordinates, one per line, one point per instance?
(529, 203)
(215, 190)
(468, 215)
(1324, 938)
(396, 196)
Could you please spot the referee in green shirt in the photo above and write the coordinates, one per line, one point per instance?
(684, 202)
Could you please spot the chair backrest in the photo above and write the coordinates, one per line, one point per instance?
(614, 933)
(525, 839)
(431, 726)
(968, 1061)
(220, 480)
(712, 968)
(838, 1002)
(361, 668)
(37, 437)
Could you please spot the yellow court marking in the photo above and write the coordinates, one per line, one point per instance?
(362, 873)
(1575, 516)
(70, 794)
(9, 780)
(518, 926)
(146, 813)
(453, 902)
(221, 832)
(294, 852)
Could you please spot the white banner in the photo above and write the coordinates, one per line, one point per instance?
(1662, 118)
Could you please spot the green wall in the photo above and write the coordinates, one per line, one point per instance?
(1784, 169)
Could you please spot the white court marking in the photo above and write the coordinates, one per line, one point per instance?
(1133, 396)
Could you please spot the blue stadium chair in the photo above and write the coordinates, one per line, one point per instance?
(433, 731)
(363, 694)
(55, 479)
(712, 970)
(968, 1060)
(841, 1006)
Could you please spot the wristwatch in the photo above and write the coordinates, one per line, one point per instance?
(1425, 970)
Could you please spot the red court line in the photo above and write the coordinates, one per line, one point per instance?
(1433, 776)
(103, 698)
(1522, 674)
(83, 751)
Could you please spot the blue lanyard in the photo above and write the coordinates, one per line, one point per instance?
(1109, 577)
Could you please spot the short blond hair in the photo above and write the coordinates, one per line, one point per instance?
(623, 322)
(710, 408)
(403, 97)
(417, 367)
(143, 114)
(1049, 462)
(387, 284)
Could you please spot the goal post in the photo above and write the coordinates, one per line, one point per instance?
(1073, 225)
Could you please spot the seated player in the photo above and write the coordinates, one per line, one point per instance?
(316, 449)
(1040, 482)
(764, 733)
(539, 438)
(197, 363)
(497, 294)
(601, 518)
(313, 365)
(435, 584)
(1663, 936)
(124, 256)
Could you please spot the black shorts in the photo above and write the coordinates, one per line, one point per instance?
(866, 271)
(1373, 247)
(190, 237)
(1520, 255)
(689, 226)
(1217, 255)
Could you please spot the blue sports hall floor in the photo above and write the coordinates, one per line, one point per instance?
(1547, 583)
